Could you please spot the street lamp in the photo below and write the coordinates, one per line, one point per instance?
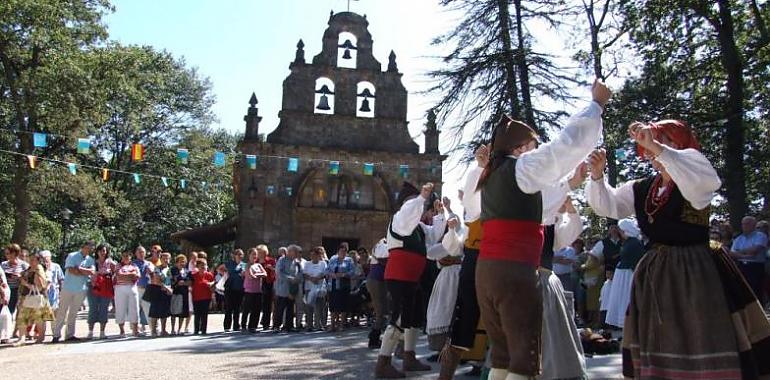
(65, 214)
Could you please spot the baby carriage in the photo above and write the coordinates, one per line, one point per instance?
(360, 302)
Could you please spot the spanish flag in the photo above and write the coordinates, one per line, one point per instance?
(137, 152)
(105, 175)
(32, 161)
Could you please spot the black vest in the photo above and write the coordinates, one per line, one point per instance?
(501, 197)
(677, 223)
(611, 253)
(412, 243)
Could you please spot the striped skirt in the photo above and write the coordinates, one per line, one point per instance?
(692, 316)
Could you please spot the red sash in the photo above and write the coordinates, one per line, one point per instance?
(512, 240)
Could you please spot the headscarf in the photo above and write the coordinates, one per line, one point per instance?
(675, 130)
(407, 190)
(629, 227)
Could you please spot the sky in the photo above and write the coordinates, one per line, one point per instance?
(245, 46)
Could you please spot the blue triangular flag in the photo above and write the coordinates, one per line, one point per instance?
(293, 164)
(219, 159)
(165, 181)
(137, 179)
(182, 183)
(73, 168)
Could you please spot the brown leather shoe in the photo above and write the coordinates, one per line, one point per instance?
(411, 363)
(449, 359)
(385, 370)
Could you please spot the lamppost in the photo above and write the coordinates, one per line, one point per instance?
(65, 214)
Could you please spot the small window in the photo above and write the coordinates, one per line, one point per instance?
(324, 96)
(347, 50)
(365, 95)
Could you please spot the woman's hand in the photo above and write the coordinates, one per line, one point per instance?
(645, 138)
(598, 161)
(578, 176)
(482, 155)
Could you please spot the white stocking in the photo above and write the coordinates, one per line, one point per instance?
(410, 339)
(389, 341)
(498, 374)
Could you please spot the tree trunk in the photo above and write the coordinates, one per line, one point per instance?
(735, 178)
(511, 86)
(521, 63)
(22, 204)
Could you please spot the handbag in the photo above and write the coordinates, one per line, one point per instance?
(35, 300)
(102, 286)
(177, 304)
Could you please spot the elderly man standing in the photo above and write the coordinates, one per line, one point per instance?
(78, 267)
(286, 289)
(750, 251)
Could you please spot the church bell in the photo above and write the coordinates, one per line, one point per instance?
(347, 45)
(365, 106)
(323, 103)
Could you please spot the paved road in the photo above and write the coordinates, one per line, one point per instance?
(219, 356)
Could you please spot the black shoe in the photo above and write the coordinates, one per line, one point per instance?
(475, 371)
(252, 331)
(55, 339)
(433, 358)
(73, 339)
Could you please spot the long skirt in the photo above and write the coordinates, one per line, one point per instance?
(160, 304)
(620, 295)
(562, 355)
(692, 315)
(442, 302)
(604, 295)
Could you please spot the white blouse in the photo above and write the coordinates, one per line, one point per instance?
(689, 169)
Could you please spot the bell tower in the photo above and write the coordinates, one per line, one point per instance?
(343, 99)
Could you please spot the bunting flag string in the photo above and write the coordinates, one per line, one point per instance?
(72, 168)
(334, 167)
(32, 161)
(219, 159)
(105, 175)
(368, 168)
(137, 178)
(138, 152)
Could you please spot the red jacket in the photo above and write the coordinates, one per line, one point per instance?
(271, 270)
(201, 290)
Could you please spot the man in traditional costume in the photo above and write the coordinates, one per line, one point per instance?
(507, 284)
(691, 313)
(408, 240)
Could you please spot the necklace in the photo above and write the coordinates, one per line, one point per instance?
(656, 199)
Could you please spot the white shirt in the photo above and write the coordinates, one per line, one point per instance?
(471, 198)
(407, 218)
(567, 253)
(552, 161)
(689, 169)
(313, 270)
(567, 229)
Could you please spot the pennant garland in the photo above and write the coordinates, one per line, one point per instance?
(368, 168)
(334, 167)
(137, 152)
(182, 183)
(165, 181)
(105, 175)
(289, 191)
(73, 168)
(219, 159)
(40, 140)
(293, 164)
(137, 178)
(84, 146)
(251, 161)
(182, 156)
(403, 170)
(32, 161)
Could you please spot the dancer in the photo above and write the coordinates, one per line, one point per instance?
(630, 254)
(375, 284)
(448, 255)
(466, 314)
(691, 313)
(512, 217)
(408, 240)
(562, 351)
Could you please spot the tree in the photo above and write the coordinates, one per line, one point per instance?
(39, 41)
(492, 69)
(714, 49)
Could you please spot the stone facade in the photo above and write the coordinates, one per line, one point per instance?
(312, 206)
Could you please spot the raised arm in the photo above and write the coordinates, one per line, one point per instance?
(692, 173)
(604, 199)
(408, 216)
(568, 229)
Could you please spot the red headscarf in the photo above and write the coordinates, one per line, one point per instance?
(676, 131)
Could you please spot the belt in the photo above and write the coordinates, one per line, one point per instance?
(544, 270)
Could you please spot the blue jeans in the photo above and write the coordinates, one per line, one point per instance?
(97, 308)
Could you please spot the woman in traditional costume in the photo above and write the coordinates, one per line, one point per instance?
(691, 313)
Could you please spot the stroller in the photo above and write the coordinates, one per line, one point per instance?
(360, 303)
